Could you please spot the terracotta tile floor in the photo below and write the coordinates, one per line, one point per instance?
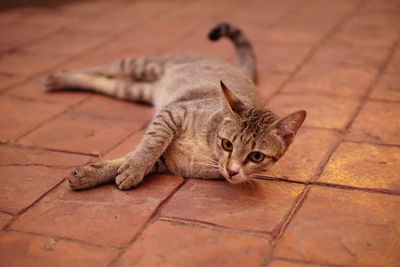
(333, 200)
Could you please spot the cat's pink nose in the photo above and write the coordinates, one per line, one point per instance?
(232, 172)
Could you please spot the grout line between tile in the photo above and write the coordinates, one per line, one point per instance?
(327, 156)
(67, 109)
(16, 216)
(36, 164)
(200, 223)
(152, 218)
(371, 143)
(59, 238)
(345, 187)
(30, 146)
(296, 207)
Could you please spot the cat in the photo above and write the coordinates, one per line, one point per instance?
(209, 120)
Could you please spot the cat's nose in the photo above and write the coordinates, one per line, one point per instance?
(232, 172)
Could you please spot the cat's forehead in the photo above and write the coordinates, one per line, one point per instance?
(252, 121)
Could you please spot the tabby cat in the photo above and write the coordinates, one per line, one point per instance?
(209, 121)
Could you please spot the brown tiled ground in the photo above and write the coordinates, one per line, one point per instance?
(333, 200)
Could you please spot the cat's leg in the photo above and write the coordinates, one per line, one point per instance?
(116, 87)
(147, 69)
(162, 130)
(101, 172)
(94, 174)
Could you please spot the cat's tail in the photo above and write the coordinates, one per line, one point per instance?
(242, 45)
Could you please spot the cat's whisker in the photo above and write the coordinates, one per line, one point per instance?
(244, 183)
(212, 165)
(206, 157)
(207, 164)
(209, 159)
(253, 183)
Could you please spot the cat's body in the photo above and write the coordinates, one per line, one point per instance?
(200, 129)
(187, 152)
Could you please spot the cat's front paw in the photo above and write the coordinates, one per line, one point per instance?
(92, 174)
(130, 174)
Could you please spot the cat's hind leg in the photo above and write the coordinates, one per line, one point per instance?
(117, 87)
(146, 69)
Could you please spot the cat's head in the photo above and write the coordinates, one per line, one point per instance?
(251, 139)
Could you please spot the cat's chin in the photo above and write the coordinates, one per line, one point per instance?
(235, 181)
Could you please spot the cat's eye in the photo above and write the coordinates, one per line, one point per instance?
(226, 145)
(256, 157)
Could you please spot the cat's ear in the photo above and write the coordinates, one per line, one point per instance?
(231, 101)
(286, 127)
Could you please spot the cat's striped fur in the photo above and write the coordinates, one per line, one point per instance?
(200, 129)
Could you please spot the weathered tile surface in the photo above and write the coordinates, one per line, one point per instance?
(7, 80)
(280, 58)
(344, 227)
(22, 32)
(394, 64)
(332, 79)
(363, 57)
(19, 155)
(34, 89)
(21, 186)
(377, 122)
(261, 207)
(283, 263)
(322, 111)
(38, 62)
(4, 219)
(82, 133)
(67, 41)
(20, 249)
(364, 165)
(388, 87)
(106, 107)
(269, 83)
(309, 149)
(166, 243)
(104, 215)
(356, 33)
(21, 116)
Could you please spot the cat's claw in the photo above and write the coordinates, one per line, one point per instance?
(129, 175)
